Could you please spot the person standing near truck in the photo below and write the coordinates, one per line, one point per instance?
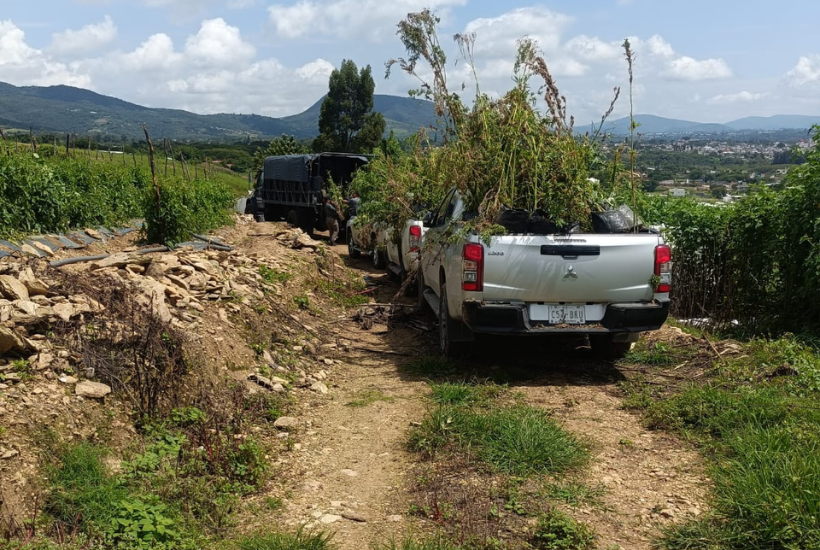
(353, 204)
(331, 219)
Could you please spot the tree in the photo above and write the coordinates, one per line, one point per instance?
(347, 122)
(282, 145)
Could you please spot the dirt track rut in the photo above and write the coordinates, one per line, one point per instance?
(351, 462)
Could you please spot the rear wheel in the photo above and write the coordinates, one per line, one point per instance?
(446, 345)
(421, 300)
(292, 218)
(378, 258)
(352, 251)
(604, 347)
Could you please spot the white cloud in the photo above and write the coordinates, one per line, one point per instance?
(319, 68)
(218, 44)
(90, 38)
(497, 36)
(740, 97)
(806, 71)
(155, 53)
(593, 49)
(372, 20)
(23, 65)
(687, 68)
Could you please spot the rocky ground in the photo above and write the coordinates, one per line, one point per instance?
(341, 462)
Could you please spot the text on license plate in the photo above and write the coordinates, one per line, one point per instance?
(570, 315)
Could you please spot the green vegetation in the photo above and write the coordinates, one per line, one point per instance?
(511, 438)
(755, 261)
(347, 122)
(46, 195)
(301, 540)
(54, 193)
(368, 397)
(558, 531)
(185, 207)
(759, 424)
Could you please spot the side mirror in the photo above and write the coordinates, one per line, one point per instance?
(427, 218)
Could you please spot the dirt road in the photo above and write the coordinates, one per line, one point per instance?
(352, 474)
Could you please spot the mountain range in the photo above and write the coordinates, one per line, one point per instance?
(651, 124)
(65, 109)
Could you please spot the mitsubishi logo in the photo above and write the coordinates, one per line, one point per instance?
(571, 273)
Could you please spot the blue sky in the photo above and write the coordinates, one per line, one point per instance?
(710, 61)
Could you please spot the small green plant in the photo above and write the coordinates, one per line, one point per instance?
(431, 366)
(136, 524)
(274, 504)
(574, 493)
(368, 397)
(514, 439)
(301, 540)
(272, 276)
(187, 416)
(558, 531)
(302, 302)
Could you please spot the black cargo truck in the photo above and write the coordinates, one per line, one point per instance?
(291, 187)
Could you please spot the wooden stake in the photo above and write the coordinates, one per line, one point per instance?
(151, 163)
(67, 143)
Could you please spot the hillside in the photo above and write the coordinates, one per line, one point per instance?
(650, 124)
(68, 109)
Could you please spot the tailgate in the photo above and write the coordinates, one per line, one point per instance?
(585, 268)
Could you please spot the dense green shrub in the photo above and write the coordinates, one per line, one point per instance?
(756, 261)
(184, 208)
(41, 195)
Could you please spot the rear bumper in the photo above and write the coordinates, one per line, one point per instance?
(514, 319)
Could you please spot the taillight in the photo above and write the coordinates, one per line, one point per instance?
(472, 278)
(663, 268)
(415, 238)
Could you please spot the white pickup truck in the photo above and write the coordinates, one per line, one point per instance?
(400, 258)
(608, 286)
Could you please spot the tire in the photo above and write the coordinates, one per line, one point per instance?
(424, 307)
(446, 346)
(604, 347)
(352, 251)
(292, 218)
(378, 259)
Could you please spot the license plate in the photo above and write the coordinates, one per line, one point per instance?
(570, 315)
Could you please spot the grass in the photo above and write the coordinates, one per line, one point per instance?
(760, 425)
(82, 488)
(438, 542)
(514, 439)
(368, 397)
(273, 276)
(558, 531)
(301, 540)
(431, 366)
(574, 493)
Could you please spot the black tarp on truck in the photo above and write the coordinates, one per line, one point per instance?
(290, 187)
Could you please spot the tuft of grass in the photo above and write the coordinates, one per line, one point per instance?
(302, 302)
(273, 276)
(368, 397)
(431, 366)
(81, 487)
(460, 393)
(300, 540)
(764, 441)
(574, 493)
(657, 353)
(437, 542)
(558, 531)
(515, 439)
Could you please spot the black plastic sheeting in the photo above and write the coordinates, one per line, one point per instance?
(77, 240)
